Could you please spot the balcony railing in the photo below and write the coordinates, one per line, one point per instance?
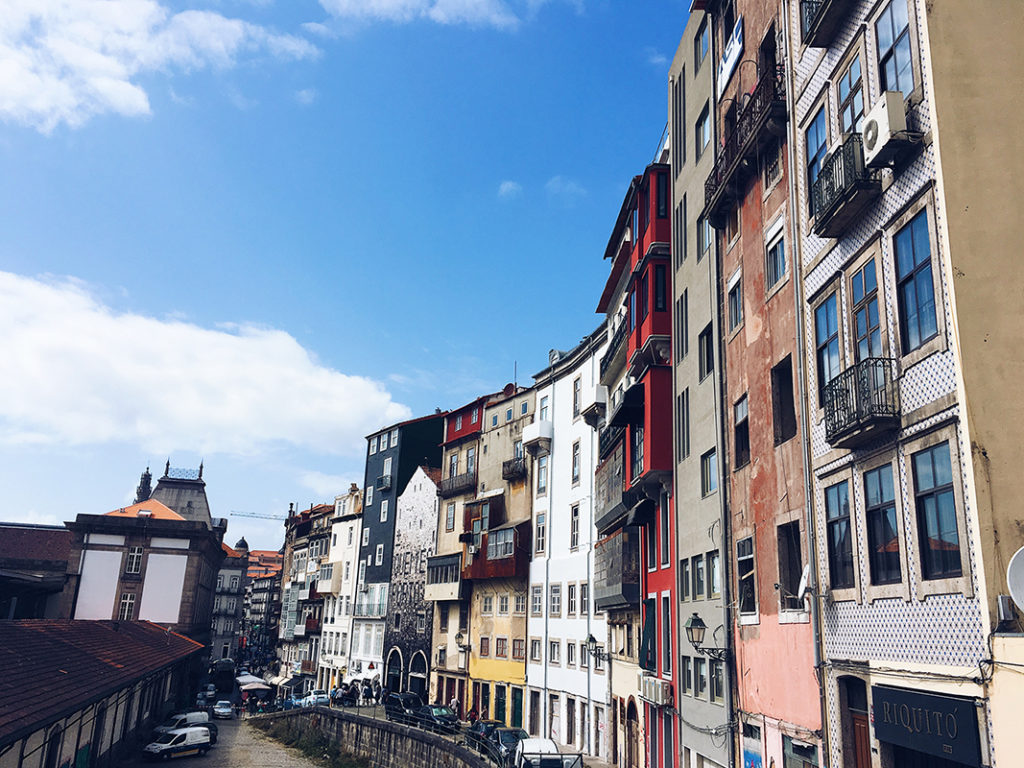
(614, 346)
(617, 570)
(607, 439)
(762, 117)
(450, 486)
(844, 187)
(819, 20)
(369, 610)
(383, 483)
(862, 403)
(513, 469)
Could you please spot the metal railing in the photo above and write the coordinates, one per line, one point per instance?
(513, 469)
(861, 394)
(383, 483)
(607, 439)
(769, 92)
(840, 171)
(366, 610)
(458, 484)
(617, 340)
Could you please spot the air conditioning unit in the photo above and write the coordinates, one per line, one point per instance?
(471, 549)
(657, 692)
(885, 127)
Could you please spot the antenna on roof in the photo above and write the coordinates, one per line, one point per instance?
(515, 373)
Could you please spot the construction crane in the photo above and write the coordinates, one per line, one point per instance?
(235, 513)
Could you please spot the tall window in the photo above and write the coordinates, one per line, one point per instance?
(577, 396)
(544, 408)
(892, 30)
(541, 535)
(576, 462)
(706, 350)
(704, 238)
(666, 635)
(791, 565)
(745, 575)
(736, 303)
(383, 510)
(702, 134)
(698, 577)
(570, 599)
(741, 432)
(645, 296)
(536, 600)
(682, 324)
(775, 262)
(700, 678)
(708, 473)
(914, 284)
(387, 467)
(936, 513)
(134, 564)
(555, 599)
(683, 423)
(817, 146)
(826, 338)
(700, 44)
(584, 599)
(449, 518)
(458, 422)
(665, 530)
(660, 288)
(851, 98)
(783, 404)
(126, 609)
(638, 451)
(714, 574)
(840, 536)
(542, 474)
(574, 526)
(883, 534)
(867, 327)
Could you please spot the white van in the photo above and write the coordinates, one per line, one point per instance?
(178, 743)
(182, 720)
(543, 753)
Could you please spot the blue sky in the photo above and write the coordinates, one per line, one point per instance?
(252, 231)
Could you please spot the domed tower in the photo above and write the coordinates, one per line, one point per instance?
(242, 546)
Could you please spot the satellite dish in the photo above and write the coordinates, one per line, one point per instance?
(871, 134)
(801, 591)
(1015, 578)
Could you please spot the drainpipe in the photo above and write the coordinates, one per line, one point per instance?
(797, 269)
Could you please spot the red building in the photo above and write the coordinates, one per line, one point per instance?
(636, 584)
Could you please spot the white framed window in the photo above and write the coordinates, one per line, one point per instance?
(379, 558)
(458, 422)
(126, 610)
(373, 444)
(394, 438)
(366, 536)
(544, 408)
(368, 496)
(383, 510)
(134, 563)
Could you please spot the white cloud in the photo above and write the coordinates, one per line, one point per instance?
(306, 96)
(509, 188)
(565, 191)
(87, 375)
(490, 13)
(324, 485)
(655, 57)
(65, 62)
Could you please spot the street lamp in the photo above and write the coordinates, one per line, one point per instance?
(460, 641)
(695, 630)
(593, 650)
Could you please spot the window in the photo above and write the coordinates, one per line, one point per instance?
(717, 682)
(387, 467)
(683, 423)
(851, 98)
(475, 416)
(741, 432)
(449, 518)
(383, 510)
(555, 599)
(702, 132)
(645, 297)
(708, 473)
(791, 566)
(666, 530)
(867, 326)
(373, 444)
(541, 532)
(698, 577)
(650, 540)
(775, 262)
(524, 407)
(534, 649)
(574, 526)
(576, 462)
(351, 533)
(494, 419)
(379, 559)
(500, 544)
(544, 408)
(684, 578)
(706, 351)
(134, 563)
(714, 574)
(488, 605)
(453, 464)
(126, 609)
(666, 635)
(571, 600)
(826, 338)
(660, 288)
(682, 325)
(536, 600)
(584, 599)
(892, 31)
(485, 646)
(687, 669)
(519, 649)
(517, 449)
(704, 238)
(366, 537)
(520, 603)
(555, 652)
(577, 396)
(817, 147)
(700, 44)
(501, 647)
(839, 536)
(883, 533)
(458, 422)
(783, 401)
(508, 414)
(584, 656)
(936, 513)
(700, 678)
(915, 291)
(368, 496)
(745, 575)
(542, 475)
(570, 654)
(735, 302)
(771, 164)
(471, 460)
(637, 453)
(394, 438)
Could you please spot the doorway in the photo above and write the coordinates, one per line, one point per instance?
(570, 720)
(534, 713)
(853, 702)
(632, 736)
(517, 708)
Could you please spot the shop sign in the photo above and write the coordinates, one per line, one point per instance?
(730, 56)
(945, 726)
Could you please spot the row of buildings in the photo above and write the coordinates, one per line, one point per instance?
(761, 514)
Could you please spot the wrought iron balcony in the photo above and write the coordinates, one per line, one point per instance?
(762, 118)
(513, 469)
(843, 189)
(615, 357)
(862, 403)
(820, 19)
(383, 483)
(452, 486)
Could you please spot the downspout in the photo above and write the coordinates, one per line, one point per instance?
(797, 269)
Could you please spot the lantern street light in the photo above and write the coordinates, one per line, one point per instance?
(460, 641)
(695, 630)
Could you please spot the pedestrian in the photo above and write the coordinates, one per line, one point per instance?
(454, 705)
(367, 694)
(473, 715)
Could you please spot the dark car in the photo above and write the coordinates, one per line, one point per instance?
(505, 740)
(435, 717)
(401, 706)
(478, 735)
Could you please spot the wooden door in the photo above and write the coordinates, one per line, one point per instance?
(861, 741)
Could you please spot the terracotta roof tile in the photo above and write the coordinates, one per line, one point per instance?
(57, 666)
(159, 511)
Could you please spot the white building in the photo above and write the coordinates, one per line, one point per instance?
(567, 690)
(339, 589)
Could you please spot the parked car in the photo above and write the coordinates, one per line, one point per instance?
(401, 706)
(178, 742)
(211, 728)
(437, 718)
(182, 720)
(506, 739)
(223, 710)
(479, 733)
(316, 698)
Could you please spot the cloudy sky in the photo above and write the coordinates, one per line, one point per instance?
(249, 232)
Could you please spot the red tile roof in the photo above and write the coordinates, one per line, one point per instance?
(54, 667)
(229, 551)
(158, 511)
(34, 542)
